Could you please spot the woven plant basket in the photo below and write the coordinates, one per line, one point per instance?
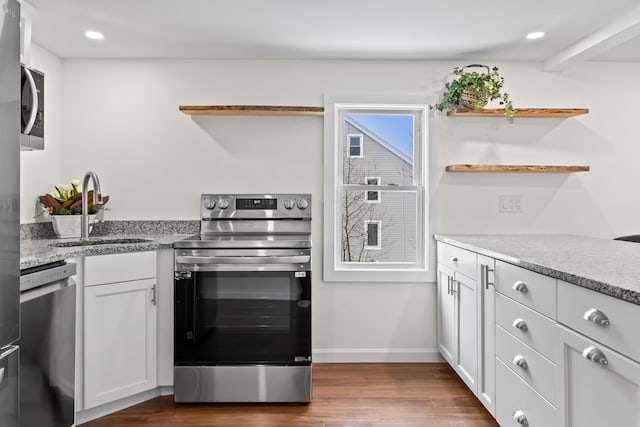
(469, 99)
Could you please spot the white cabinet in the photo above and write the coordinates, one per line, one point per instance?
(447, 334)
(26, 13)
(548, 353)
(600, 378)
(600, 387)
(457, 314)
(120, 326)
(486, 333)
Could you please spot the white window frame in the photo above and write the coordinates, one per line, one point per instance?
(367, 193)
(360, 145)
(334, 269)
(377, 247)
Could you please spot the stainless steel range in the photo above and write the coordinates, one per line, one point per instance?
(243, 301)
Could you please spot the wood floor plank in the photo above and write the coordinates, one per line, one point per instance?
(344, 395)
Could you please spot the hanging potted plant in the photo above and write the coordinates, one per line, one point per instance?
(473, 90)
(65, 208)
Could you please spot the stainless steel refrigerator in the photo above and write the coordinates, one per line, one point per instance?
(9, 211)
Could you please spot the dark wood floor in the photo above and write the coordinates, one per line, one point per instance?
(344, 395)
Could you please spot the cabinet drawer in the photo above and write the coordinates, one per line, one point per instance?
(460, 260)
(576, 305)
(514, 396)
(540, 330)
(535, 290)
(535, 369)
(112, 268)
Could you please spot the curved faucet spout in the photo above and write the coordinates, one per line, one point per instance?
(97, 200)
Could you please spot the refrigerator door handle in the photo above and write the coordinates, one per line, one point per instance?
(34, 102)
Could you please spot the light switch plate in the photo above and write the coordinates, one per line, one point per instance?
(510, 203)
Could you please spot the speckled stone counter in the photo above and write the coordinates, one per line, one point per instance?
(610, 267)
(38, 247)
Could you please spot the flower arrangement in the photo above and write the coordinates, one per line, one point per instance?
(475, 90)
(67, 200)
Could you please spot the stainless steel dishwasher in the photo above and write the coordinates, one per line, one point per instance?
(47, 345)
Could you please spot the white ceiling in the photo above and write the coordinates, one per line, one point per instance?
(342, 29)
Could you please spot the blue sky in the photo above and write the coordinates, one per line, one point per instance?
(396, 129)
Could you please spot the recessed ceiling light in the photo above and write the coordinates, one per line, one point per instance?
(535, 35)
(93, 35)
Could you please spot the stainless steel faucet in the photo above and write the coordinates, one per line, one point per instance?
(97, 200)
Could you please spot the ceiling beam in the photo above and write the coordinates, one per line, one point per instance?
(615, 33)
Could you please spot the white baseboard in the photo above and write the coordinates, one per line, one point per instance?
(371, 355)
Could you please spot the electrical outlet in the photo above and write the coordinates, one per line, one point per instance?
(510, 204)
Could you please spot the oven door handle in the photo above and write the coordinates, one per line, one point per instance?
(299, 259)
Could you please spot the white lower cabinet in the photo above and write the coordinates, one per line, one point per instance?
(458, 312)
(599, 387)
(535, 350)
(457, 324)
(447, 334)
(120, 327)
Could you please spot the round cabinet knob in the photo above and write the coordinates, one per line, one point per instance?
(223, 204)
(289, 204)
(303, 204)
(521, 418)
(520, 286)
(520, 324)
(209, 204)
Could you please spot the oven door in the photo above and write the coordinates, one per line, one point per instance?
(234, 307)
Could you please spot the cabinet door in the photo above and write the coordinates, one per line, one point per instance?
(596, 394)
(466, 309)
(446, 316)
(486, 333)
(119, 340)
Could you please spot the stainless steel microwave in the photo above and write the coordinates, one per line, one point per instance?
(32, 110)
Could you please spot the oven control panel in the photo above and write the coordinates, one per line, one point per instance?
(255, 206)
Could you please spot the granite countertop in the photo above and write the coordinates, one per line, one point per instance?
(34, 252)
(611, 267)
(38, 244)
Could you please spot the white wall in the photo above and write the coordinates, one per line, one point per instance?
(121, 119)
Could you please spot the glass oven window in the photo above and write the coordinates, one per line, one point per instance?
(243, 318)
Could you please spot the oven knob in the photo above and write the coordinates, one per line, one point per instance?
(289, 204)
(223, 204)
(209, 204)
(303, 204)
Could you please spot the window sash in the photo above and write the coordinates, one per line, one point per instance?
(334, 148)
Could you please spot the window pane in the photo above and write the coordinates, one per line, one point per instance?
(397, 214)
(388, 141)
(373, 196)
(372, 234)
(355, 145)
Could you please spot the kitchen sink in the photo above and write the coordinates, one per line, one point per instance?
(93, 242)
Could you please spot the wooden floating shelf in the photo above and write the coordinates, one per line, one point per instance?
(250, 110)
(520, 112)
(516, 168)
